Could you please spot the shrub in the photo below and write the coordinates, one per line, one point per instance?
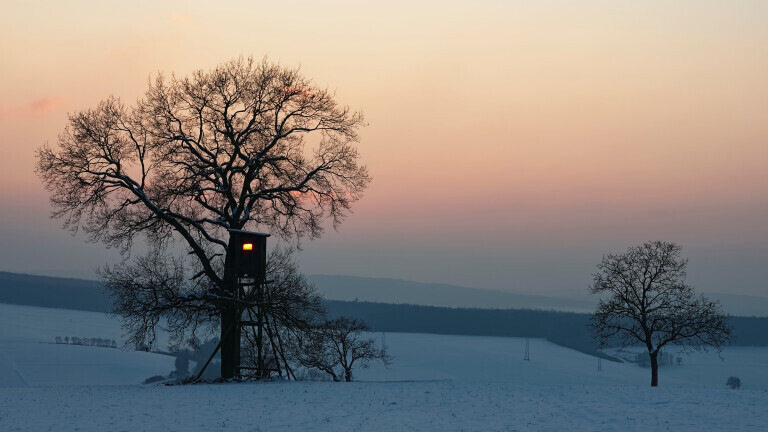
(733, 382)
(181, 364)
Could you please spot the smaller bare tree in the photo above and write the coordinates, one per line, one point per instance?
(340, 345)
(649, 302)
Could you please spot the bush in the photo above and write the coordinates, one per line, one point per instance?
(733, 382)
(181, 364)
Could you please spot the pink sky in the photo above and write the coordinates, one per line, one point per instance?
(511, 143)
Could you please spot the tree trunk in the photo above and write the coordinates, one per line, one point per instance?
(348, 375)
(654, 368)
(230, 331)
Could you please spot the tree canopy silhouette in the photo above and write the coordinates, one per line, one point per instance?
(648, 302)
(247, 145)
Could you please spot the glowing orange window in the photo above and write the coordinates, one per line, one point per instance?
(247, 246)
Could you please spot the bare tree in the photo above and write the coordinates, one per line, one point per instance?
(248, 145)
(340, 346)
(156, 291)
(647, 301)
(292, 309)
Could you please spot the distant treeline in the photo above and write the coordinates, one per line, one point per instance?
(563, 328)
(98, 342)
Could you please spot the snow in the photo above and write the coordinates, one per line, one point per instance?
(366, 406)
(29, 355)
(443, 383)
(710, 369)
(29, 323)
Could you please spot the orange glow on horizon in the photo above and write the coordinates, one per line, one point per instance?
(514, 117)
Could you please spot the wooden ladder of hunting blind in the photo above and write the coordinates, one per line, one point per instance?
(245, 265)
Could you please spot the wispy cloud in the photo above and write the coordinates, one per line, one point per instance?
(42, 106)
(35, 108)
(179, 18)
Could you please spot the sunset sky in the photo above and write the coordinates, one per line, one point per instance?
(512, 143)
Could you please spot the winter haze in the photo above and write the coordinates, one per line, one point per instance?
(511, 144)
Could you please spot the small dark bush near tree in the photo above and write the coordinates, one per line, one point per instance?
(181, 365)
(733, 382)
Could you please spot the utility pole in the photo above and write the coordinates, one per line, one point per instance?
(527, 350)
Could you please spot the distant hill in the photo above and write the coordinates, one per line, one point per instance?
(384, 290)
(396, 291)
(89, 295)
(741, 305)
(53, 292)
(564, 328)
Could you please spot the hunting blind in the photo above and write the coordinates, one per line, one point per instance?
(245, 269)
(248, 253)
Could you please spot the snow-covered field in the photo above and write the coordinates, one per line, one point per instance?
(435, 383)
(381, 406)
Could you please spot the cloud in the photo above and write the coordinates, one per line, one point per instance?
(35, 108)
(179, 18)
(42, 106)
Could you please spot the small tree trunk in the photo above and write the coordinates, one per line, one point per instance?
(230, 332)
(348, 375)
(261, 373)
(654, 368)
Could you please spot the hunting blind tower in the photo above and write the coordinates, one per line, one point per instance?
(245, 273)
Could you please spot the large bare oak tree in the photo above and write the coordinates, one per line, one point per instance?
(249, 145)
(647, 301)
